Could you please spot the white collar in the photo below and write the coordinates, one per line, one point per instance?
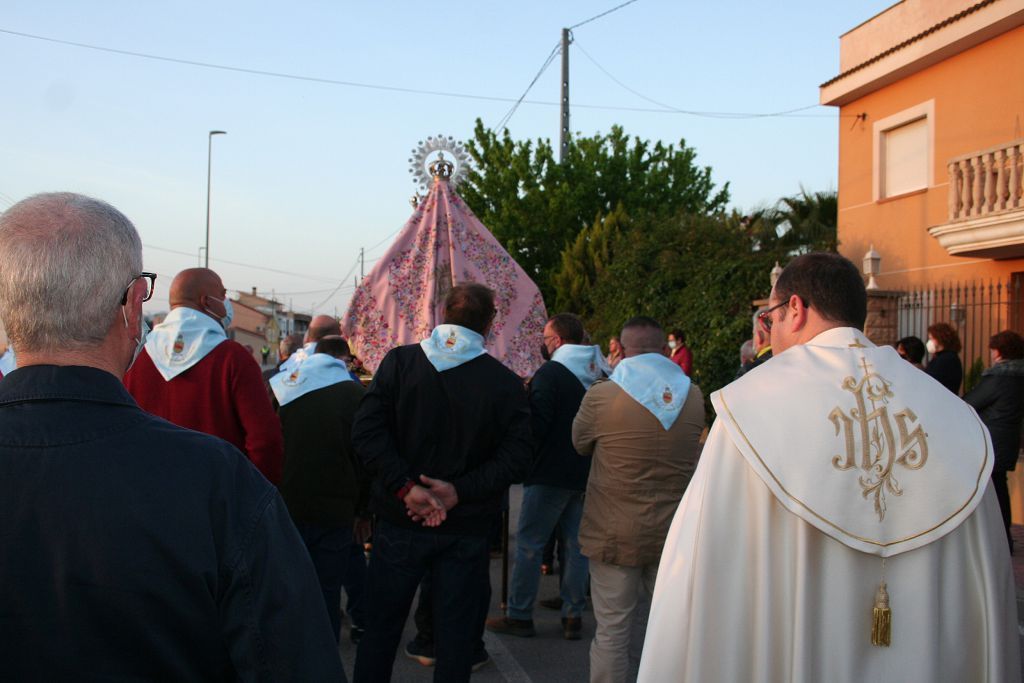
(449, 346)
(859, 443)
(656, 383)
(587, 363)
(315, 372)
(183, 339)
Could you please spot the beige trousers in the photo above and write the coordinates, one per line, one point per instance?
(622, 601)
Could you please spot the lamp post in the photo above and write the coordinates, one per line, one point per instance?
(209, 163)
(872, 266)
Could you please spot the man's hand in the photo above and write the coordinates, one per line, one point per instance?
(443, 490)
(423, 506)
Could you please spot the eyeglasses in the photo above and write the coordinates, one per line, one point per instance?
(765, 316)
(150, 286)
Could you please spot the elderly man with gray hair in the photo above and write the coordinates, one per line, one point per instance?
(132, 548)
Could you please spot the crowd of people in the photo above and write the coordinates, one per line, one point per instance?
(167, 510)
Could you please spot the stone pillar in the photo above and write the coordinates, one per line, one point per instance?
(882, 324)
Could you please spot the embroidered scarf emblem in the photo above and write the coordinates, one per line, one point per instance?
(871, 439)
(177, 349)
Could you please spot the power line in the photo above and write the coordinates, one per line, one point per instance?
(244, 265)
(512, 110)
(353, 84)
(706, 114)
(341, 284)
(602, 14)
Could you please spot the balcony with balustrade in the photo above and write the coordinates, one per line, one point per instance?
(986, 204)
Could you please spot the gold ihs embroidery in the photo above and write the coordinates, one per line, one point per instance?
(872, 431)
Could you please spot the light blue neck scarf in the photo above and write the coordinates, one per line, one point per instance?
(586, 362)
(183, 339)
(656, 383)
(316, 372)
(298, 357)
(8, 362)
(449, 346)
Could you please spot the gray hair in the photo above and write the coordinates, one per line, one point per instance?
(66, 261)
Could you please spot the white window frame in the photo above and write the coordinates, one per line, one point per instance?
(926, 111)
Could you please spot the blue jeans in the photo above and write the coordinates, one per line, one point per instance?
(459, 568)
(545, 507)
(331, 550)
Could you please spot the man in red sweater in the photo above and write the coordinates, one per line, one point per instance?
(191, 374)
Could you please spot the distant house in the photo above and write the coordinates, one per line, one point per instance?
(931, 162)
(261, 322)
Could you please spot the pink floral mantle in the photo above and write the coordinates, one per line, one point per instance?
(402, 299)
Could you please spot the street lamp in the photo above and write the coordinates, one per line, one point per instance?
(209, 161)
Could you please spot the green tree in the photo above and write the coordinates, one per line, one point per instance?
(585, 261)
(699, 273)
(798, 224)
(536, 206)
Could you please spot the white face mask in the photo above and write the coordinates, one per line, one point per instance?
(931, 346)
(229, 312)
(672, 344)
(140, 341)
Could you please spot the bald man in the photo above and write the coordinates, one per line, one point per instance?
(191, 374)
(319, 327)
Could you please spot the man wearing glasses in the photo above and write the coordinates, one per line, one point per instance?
(191, 374)
(840, 525)
(132, 549)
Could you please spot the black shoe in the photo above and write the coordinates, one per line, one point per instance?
(480, 658)
(421, 652)
(513, 627)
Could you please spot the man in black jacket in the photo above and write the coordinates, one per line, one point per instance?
(322, 484)
(553, 493)
(999, 400)
(132, 549)
(443, 430)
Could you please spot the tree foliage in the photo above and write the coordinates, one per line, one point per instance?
(585, 261)
(798, 224)
(536, 206)
(698, 273)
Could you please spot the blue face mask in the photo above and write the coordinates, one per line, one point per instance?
(229, 312)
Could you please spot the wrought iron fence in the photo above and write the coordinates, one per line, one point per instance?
(977, 310)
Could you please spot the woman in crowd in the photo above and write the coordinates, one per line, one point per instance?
(999, 400)
(945, 366)
(681, 355)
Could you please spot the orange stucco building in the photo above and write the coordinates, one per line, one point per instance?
(931, 142)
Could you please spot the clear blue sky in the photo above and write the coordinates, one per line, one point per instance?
(310, 172)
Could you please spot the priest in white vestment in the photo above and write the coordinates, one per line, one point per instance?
(839, 526)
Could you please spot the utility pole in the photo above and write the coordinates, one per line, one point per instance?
(563, 137)
(361, 263)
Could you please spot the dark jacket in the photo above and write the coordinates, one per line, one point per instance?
(133, 549)
(322, 484)
(469, 425)
(754, 362)
(945, 366)
(555, 397)
(999, 400)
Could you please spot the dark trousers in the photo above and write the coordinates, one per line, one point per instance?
(1003, 496)
(423, 617)
(330, 550)
(355, 585)
(460, 582)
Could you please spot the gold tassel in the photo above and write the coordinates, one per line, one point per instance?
(881, 624)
